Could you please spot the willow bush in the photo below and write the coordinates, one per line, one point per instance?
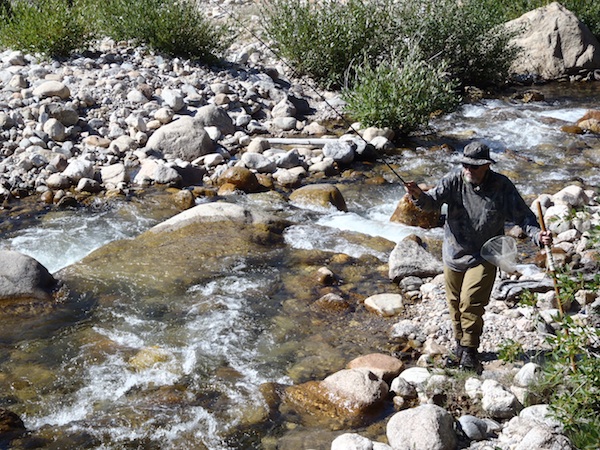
(570, 383)
(358, 41)
(173, 27)
(50, 27)
(399, 92)
(59, 27)
(321, 39)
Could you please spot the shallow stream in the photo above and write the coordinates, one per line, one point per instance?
(187, 371)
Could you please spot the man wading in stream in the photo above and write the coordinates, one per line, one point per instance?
(480, 202)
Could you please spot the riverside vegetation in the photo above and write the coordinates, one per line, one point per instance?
(356, 47)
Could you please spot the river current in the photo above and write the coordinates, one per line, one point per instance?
(219, 343)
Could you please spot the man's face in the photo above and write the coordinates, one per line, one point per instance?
(475, 174)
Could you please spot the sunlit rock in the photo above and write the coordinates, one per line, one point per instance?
(426, 427)
(346, 398)
(410, 258)
(325, 276)
(332, 302)
(322, 195)
(571, 196)
(385, 304)
(498, 401)
(184, 138)
(52, 89)
(555, 43)
(213, 116)
(184, 199)
(240, 177)
(590, 125)
(342, 152)
(348, 441)
(384, 366)
(410, 214)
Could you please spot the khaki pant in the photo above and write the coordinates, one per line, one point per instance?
(468, 293)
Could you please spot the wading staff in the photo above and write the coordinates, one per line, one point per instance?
(552, 269)
(550, 260)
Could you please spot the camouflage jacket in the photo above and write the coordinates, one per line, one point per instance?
(476, 214)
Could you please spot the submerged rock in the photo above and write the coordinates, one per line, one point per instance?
(345, 399)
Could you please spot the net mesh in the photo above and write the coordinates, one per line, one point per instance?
(501, 251)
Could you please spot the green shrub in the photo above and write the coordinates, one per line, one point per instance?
(572, 375)
(50, 27)
(511, 351)
(176, 28)
(399, 92)
(321, 39)
(360, 45)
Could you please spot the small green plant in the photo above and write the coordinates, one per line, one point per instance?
(527, 298)
(594, 234)
(511, 351)
(401, 92)
(50, 27)
(573, 377)
(176, 28)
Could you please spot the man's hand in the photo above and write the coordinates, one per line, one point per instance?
(546, 237)
(413, 189)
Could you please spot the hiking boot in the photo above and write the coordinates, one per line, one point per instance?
(469, 360)
(453, 359)
(458, 350)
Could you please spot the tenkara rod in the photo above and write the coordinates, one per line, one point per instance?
(315, 90)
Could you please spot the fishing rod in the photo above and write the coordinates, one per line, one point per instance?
(295, 74)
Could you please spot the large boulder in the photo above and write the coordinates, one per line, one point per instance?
(554, 42)
(214, 212)
(190, 248)
(184, 138)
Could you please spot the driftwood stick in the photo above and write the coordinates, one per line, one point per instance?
(300, 141)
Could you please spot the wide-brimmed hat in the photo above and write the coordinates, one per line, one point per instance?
(477, 154)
